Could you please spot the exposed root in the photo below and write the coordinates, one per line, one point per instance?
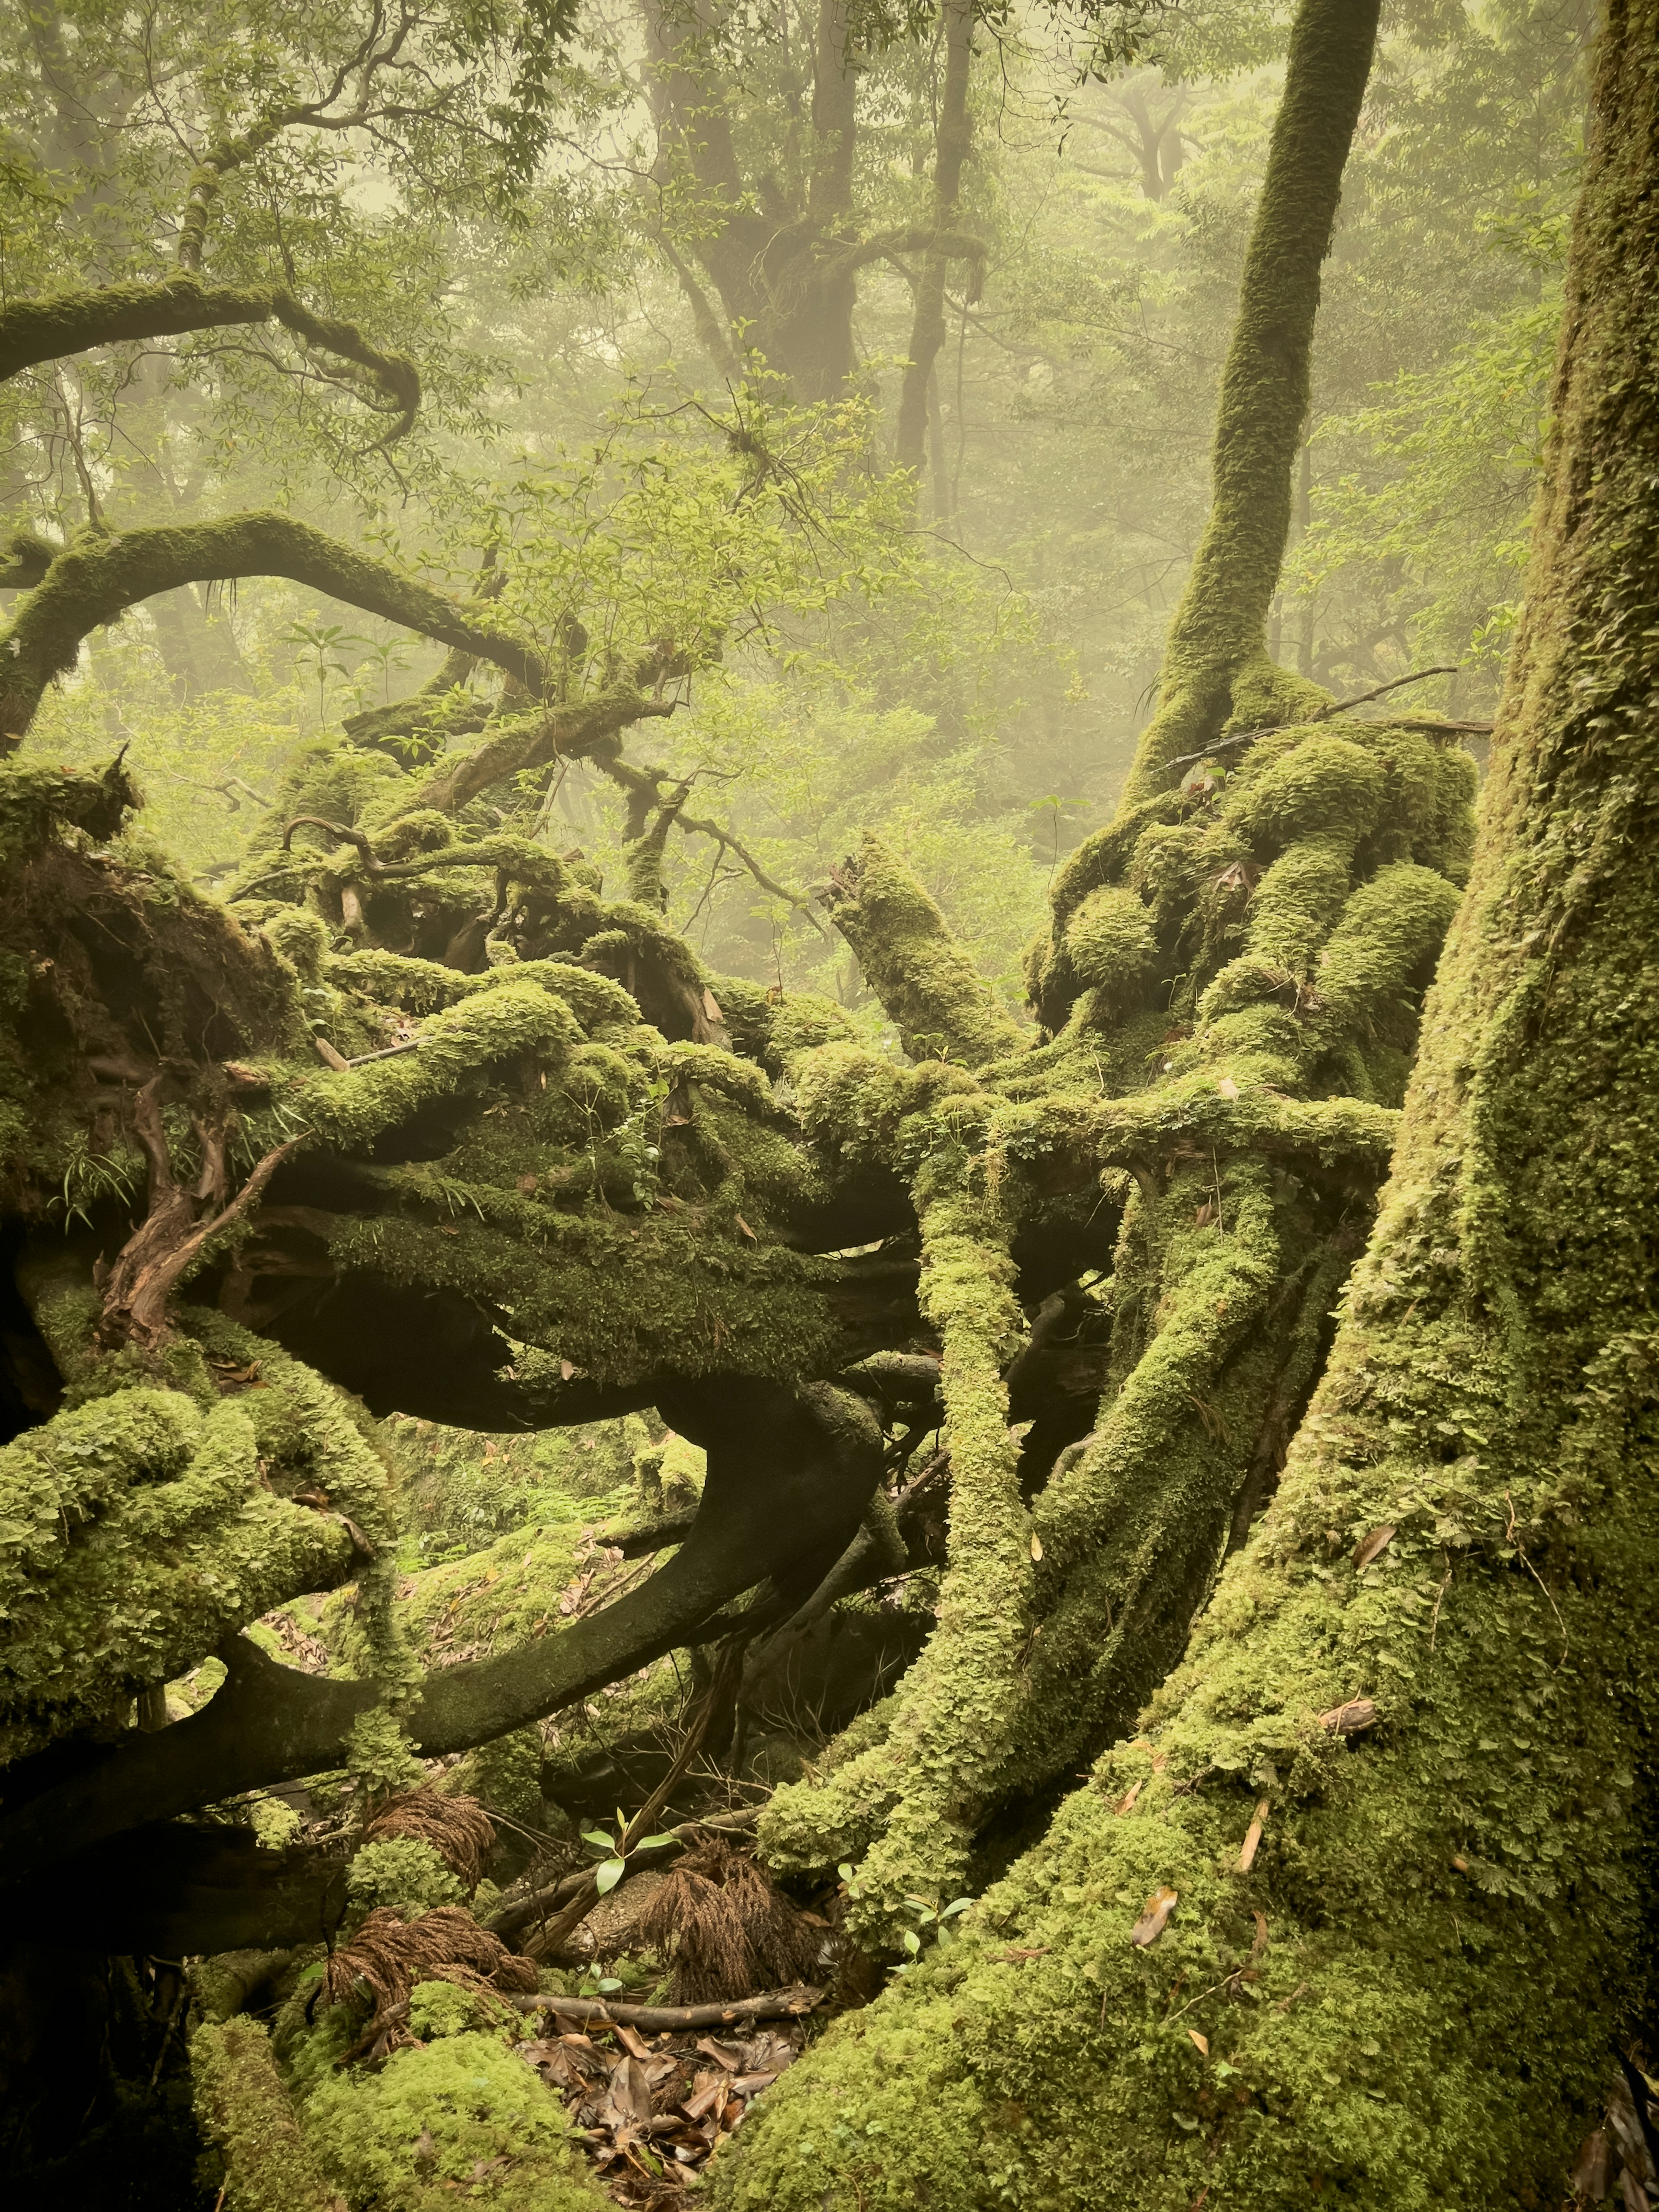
(727, 1928)
(458, 1828)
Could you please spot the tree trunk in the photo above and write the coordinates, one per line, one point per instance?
(1219, 628)
(1356, 1916)
(927, 328)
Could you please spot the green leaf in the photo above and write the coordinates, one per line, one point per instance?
(911, 1941)
(651, 1843)
(597, 1838)
(607, 1876)
(957, 1904)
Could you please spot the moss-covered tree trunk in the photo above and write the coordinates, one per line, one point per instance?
(1355, 1918)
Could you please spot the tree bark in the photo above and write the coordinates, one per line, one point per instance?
(1220, 627)
(1357, 1914)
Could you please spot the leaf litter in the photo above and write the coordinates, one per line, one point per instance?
(651, 2110)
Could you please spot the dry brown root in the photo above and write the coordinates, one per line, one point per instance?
(389, 1954)
(458, 1828)
(727, 1928)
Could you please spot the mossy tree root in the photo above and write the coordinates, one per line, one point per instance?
(909, 1806)
(913, 961)
(244, 2111)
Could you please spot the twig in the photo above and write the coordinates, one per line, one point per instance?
(386, 1052)
(1434, 1618)
(553, 1932)
(1421, 676)
(511, 1918)
(590, 2012)
(1522, 1550)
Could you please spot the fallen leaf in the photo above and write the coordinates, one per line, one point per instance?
(528, 1182)
(1227, 1088)
(746, 1229)
(1013, 1956)
(1125, 1802)
(565, 1370)
(1202, 2041)
(1350, 1718)
(1037, 1545)
(1375, 1543)
(1252, 1839)
(633, 2042)
(1152, 1922)
(1461, 1863)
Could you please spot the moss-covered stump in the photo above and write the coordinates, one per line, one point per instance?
(1358, 1913)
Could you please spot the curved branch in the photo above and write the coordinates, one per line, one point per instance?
(62, 323)
(912, 238)
(789, 1473)
(98, 576)
(573, 732)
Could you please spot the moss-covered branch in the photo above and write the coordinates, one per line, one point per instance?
(923, 974)
(589, 726)
(790, 1473)
(64, 323)
(99, 575)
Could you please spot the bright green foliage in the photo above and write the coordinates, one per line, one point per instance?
(400, 1871)
(458, 2111)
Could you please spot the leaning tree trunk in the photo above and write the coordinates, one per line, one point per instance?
(1355, 1916)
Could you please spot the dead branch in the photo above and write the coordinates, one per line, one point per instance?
(588, 2012)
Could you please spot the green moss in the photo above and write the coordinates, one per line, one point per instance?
(439, 2010)
(402, 1872)
(353, 1107)
(1113, 947)
(905, 1805)
(924, 976)
(244, 2111)
(460, 2113)
(136, 1535)
(1302, 785)
(1385, 944)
